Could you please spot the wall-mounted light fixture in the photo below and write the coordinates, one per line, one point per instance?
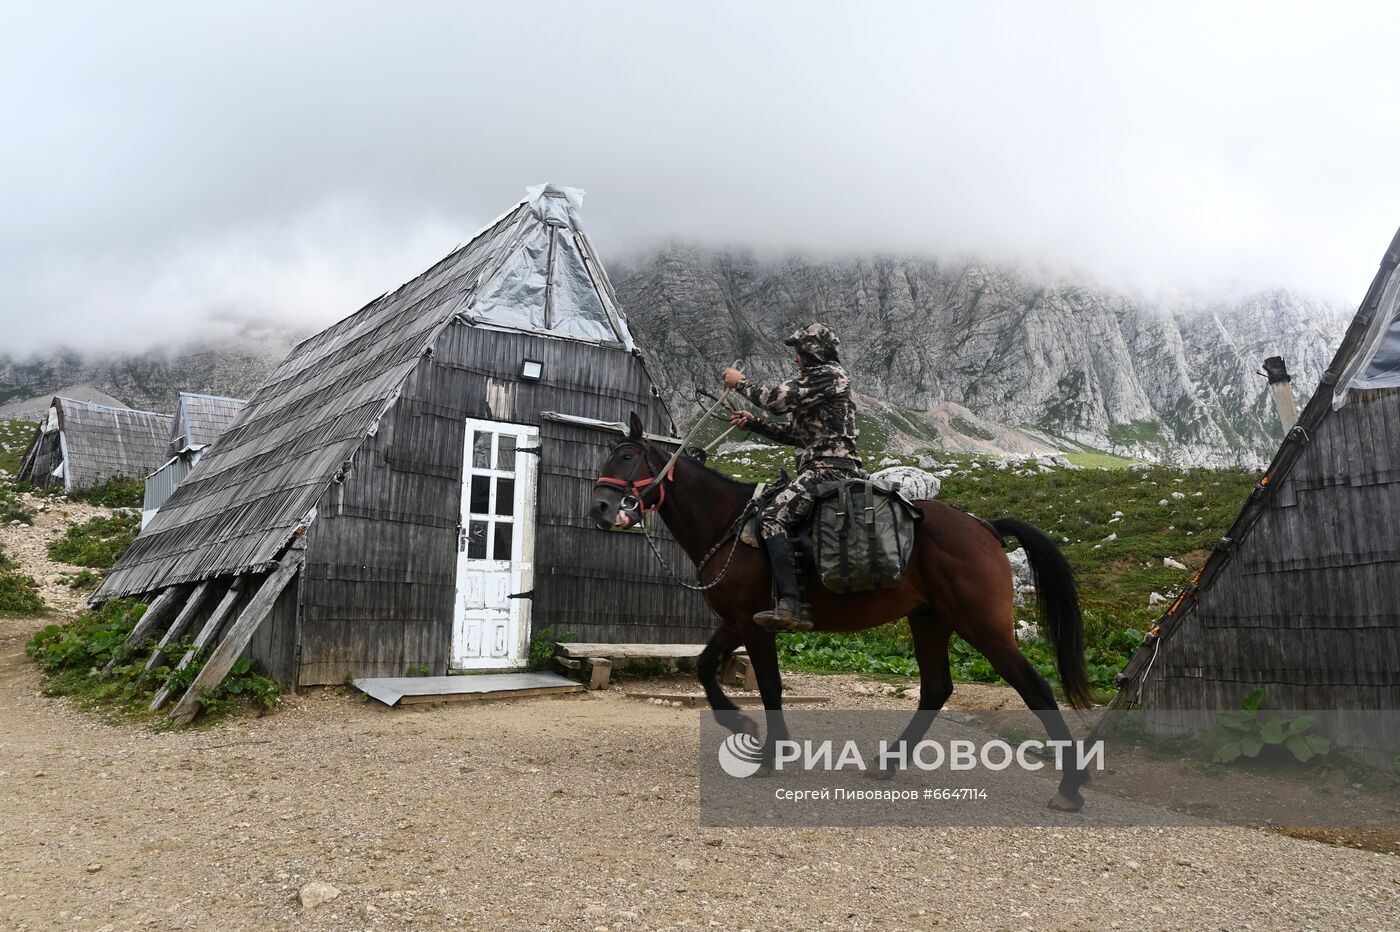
(531, 370)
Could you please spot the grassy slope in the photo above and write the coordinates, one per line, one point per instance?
(14, 440)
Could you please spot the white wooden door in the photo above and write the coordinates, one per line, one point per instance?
(495, 547)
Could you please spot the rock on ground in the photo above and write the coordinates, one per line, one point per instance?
(914, 484)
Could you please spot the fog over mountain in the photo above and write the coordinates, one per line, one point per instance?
(951, 354)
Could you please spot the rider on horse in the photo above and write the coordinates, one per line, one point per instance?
(823, 428)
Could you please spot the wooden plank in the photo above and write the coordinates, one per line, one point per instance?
(201, 640)
(631, 651)
(180, 624)
(239, 634)
(155, 613)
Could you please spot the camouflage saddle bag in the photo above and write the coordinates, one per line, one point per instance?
(862, 534)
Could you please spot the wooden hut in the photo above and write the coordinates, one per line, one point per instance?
(81, 444)
(1301, 597)
(417, 476)
(199, 420)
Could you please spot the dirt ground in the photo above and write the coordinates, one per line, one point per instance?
(572, 813)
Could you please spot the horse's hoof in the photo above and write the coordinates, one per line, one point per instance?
(1063, 802)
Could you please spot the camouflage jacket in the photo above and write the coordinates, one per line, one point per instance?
(823, 414)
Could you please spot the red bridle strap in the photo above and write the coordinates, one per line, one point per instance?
(637, 488)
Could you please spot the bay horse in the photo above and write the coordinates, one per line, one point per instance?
(958, 580)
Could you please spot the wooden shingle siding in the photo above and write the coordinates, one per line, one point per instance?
(1309, 608)
(382, 555)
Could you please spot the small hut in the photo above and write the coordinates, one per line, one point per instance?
(199, 420)
(1301, 597)
(407, 493)
(81, 444)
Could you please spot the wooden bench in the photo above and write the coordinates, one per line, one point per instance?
(595, 662)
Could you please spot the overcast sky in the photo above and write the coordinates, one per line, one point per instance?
(167, 164)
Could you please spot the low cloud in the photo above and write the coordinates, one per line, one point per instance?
(171, 166)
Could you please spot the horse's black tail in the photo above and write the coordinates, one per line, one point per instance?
(1058, 600)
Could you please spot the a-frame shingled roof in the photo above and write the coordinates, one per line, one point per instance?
(201, 419)
(101, 442)
(246, 498)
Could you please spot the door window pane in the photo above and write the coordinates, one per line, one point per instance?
(481, 452)
(505, 496)
(476, 540)
(481, 495)
(503, 537)
(505, 455)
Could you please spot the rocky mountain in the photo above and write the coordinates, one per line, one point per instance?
(971, 356)
(152, 381)
(955, 355)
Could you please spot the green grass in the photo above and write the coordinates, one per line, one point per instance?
(72, 656)
(96, 543)
(14, 441)
(1077, 509)
(116, 492)
(13, 507)
(19, 593)
(1098, 460)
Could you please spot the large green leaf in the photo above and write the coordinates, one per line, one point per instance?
(1251, 745)
(1227, 752)
(1254, 700)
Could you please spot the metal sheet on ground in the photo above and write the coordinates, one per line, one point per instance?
(390, 690)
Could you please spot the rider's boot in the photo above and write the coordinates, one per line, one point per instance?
(789, 614)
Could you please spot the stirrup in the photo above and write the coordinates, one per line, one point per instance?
(780, 618)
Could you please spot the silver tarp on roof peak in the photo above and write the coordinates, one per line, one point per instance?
(1377, 362)
(549, 282)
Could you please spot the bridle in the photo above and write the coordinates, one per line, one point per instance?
(634, 490)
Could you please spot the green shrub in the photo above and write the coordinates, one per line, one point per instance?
(1255, 733)
(116, 492)
(19, 593)
(73, 655)
(542, 646)
(96, 543)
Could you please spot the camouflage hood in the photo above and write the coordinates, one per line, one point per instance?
(816, 340)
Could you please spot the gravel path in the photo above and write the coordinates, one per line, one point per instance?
(28, 546)
(565, 813)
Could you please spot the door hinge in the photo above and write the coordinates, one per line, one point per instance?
(522, 595)
(534, 450)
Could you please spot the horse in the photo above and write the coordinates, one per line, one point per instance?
(958, 581)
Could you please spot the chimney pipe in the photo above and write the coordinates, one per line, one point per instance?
(1281, 387)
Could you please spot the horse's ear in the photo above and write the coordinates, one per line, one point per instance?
(636, 424)
(612, 445)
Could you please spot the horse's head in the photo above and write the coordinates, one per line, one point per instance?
(627, 487)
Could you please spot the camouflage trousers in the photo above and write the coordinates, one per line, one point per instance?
(793, 504)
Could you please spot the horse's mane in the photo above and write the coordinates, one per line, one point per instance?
(747, 487)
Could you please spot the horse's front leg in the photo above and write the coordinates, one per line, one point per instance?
(763, 654)
(721, 644)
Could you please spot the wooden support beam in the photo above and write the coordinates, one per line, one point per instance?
(599, 672)
(203, 638)
(239, 634)
(182, 622)
(159, 609)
